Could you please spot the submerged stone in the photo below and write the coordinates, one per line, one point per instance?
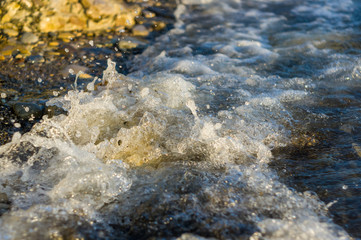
(140, 30)
(28, 110)
(36, 59)
(132, 42)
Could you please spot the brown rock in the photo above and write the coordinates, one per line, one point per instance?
(11, 11)
(140, 30)
(3, 198)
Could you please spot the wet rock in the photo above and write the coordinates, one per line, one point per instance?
(148, 14)
(54, 44)
(28, 110)
(4, 198)
(85, 76)
(140, 30)
(29, 38)
(357, 149)
(8, 50)
(66, 36)
(161, 12)
(131, 42)
(159, 25)
(36, 59)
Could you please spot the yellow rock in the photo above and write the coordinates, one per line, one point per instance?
(85, 76)
(25, 53)
(21, 15)
(53, 53)
(12, 9)
(66, 35)
(19, 56)
(62, 15)
(126, 20)
(53, 44)
(67, 15)
(8, 50)
(148, 14)
(98, 9)
(11, 32)
(100, 25)
(27, 3)
(51, 24)
(157, 26)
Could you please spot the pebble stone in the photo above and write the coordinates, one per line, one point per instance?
(140, 30)
(29, 38)
(28, 110)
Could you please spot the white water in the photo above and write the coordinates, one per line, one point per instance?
(190, 130)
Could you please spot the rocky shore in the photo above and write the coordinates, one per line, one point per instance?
(45, 43)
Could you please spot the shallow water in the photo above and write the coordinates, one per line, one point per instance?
(225, 128)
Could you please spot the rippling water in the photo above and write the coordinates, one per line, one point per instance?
(242, 122)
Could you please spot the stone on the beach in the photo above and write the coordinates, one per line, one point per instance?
(28, 110)
(131, 42)
(148, 14)
(66, 35)
(65, 15)
(36, 59)
(29, 38)
(8, 50)
(11, 32)
(159, 25)
(140, 30)
(85, 76)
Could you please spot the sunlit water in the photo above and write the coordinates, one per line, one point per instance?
(226, 128)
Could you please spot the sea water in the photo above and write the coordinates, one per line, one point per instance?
(189, 144)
